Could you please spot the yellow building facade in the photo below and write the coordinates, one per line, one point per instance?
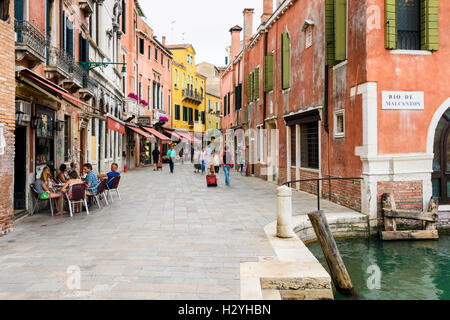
(212, 112)
(188, 91)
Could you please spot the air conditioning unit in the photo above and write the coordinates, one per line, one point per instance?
(25, 108)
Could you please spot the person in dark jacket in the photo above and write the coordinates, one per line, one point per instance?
(155, 155)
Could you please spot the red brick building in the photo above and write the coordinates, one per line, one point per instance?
(7, 117)
(354, 89)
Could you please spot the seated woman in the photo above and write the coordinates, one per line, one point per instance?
(43, 185)
(62, 176)
(73, 179)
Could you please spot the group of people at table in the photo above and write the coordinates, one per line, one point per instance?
(49, 188)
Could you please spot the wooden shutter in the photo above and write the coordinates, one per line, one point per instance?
(329, 32)
(285, 60)
(430, 25)
(249, 87)
(268, 72)
(391, 24)
(340, 30)
(256, 84)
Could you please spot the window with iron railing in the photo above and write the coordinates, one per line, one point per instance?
(408, 24)
(309, 138)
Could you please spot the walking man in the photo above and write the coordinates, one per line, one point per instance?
(227, 162)
(171, 154)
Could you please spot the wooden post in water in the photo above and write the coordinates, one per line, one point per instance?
(334, 260)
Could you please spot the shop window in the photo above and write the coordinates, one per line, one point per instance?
(339, 124)
(310, 145)
(293, 146)
(67, 139)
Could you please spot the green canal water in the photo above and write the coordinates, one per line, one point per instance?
(410, 270)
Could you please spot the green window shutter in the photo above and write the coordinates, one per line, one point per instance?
(256, 83)
(430, 25)
(340, 30)
(286, 60)
(391, 24)
(270, 70)
(329, 32)
(249, 87)
(266, 73)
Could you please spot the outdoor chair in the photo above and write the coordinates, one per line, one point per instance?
(78, 196)
(114, 187)
(101, 193)
(39, 200)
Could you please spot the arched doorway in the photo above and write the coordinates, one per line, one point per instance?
(441, 161)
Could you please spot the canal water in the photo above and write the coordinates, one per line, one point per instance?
(410, 270)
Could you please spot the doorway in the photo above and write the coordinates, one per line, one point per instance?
(441, 162)
(20, 169)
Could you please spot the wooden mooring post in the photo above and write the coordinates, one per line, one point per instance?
(339, 273)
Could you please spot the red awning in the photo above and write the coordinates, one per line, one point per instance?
(188, 136)
(116, 126)
(141, 132)
(173, 134)
(157, 134)
(55, 88)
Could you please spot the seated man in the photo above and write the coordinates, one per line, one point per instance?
(91, 180)
(111, 175)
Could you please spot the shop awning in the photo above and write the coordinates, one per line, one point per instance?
(188, 136)
(141, 132)
(157, 134)
(116, 126)
(57, 89)
(173, 134)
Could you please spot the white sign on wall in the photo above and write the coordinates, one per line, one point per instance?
(2, 140)
(403, 100)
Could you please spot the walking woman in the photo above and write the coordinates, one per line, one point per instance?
(203, 160)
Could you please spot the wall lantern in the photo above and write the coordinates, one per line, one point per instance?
(19, 117)
(59, 125)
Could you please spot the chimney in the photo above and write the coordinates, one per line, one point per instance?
(267, 10)
(164, 41)
(235, 42)
(248, 24)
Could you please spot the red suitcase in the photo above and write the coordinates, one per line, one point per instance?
(211, 180)
(159, 166)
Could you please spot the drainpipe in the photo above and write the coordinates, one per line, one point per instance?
(265, 93)
(325, 116)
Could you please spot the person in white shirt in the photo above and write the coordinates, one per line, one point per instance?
(203, 160)
(216, 162)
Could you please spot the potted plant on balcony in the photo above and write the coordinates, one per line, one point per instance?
(133, 96)
(143, 102)
(163, 119)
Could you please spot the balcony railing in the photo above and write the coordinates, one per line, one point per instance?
(192, 95)
(60, 59)
(78, 72)
(32, 40)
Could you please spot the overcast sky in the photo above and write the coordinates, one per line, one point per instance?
(205, 23)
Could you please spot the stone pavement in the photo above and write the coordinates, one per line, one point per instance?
(170, 237)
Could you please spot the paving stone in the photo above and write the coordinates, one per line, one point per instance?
(170, 237)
